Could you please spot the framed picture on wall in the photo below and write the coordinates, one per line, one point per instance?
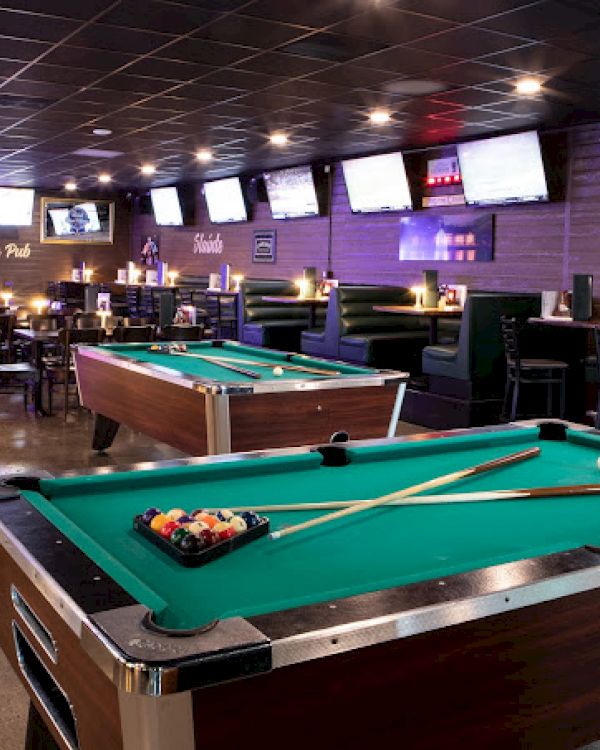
(464, 237)
(149, 250)
(77, 221)
(264, 246)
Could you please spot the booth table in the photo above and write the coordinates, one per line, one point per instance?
(458, 625)
(432, 314)
(199, 407)
(312, 303)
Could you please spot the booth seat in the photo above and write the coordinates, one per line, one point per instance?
(354, 332)
(475, 367)
(267, 323)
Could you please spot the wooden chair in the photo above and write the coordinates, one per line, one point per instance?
(87, 320)
(520, 370)
(133, 334)
(18, 375)
(63, 372)
(181, 333)
(7, 325)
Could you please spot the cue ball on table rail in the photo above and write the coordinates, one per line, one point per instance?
(278, 371)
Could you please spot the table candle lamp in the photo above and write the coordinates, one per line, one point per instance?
(104, 316)
(39, 305)
(419, 292)
(136, 273)
(6, 297)
(87, 275)
(237, 280)
(172, 276)
(302, 285)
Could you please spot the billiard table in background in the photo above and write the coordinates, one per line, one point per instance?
(201, 408)
(435, 626)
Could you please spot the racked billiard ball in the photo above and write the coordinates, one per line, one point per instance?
(196, 527)
(149, 514)
(178, 535)
(250, 518)
(239, 525)
(225, 515)
(206, 538)
(223, 530)
(175, 514)
(207, 518)
(168, 529)
(158, 522)
(185, 519)
(189, 544)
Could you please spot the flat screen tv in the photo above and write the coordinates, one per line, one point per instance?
(225, 201)
(65, 220)
(503, 170)
(16, 207)
(292, 193)
(377, 183)
(166, 207)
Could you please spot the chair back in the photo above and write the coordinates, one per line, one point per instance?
(86, 320)
(7, 324)
(69, 336)
(46, 322)
(510, 338)
(355, 309)
(182, 333)
(253, 309)
(133, 334)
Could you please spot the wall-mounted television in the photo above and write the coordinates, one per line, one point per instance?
(166, 207)
(16, 207)
(377, 183)
(65, 220)
(225, 201)
(503, 170)
(292, 193)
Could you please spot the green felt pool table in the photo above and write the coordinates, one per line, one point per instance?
(448, 625)
(195, 405)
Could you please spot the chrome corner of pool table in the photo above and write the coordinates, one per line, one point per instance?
(141, 662)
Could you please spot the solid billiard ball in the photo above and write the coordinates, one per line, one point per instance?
(206, 538)
(185, 519)
(189, 544)
(196, 527)
(225, 515)
(278, 371)
(149, 514)
(175, 514)
(250, 518)
(158, 522)
(207, 518)
(168, 529)
(178, 535)
(154, 348)
(223, 530)
(239, 525)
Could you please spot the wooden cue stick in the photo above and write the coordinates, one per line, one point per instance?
(455, 476)
(458, 497)
(224, 365)
(295, 368)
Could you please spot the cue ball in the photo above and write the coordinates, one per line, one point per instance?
(598, 462)
(278, 371)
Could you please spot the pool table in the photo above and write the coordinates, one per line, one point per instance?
(201, 408)
(461, 625)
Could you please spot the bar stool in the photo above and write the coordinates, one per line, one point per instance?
(519, 370)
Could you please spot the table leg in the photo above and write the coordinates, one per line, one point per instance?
(433, 330)
(37, 349)
(105, 430)
(312, 316)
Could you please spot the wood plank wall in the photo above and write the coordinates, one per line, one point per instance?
(49, 262)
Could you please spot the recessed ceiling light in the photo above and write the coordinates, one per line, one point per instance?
(102, 131)
(104, 178)
(380, 116)
(528, 86)
(278, 139)
(148, 169)
(70, 186)
(204, 155)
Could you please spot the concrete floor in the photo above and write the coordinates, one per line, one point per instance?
(29, 443)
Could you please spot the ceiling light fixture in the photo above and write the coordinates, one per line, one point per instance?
(278, 139)
(380, 116)
(102, 131)
(528, 86)
(104, 178)
(148, 169)
(204, 155)
(70, 186)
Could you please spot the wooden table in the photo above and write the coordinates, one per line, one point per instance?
(433, 314)
(556, 320)
(37, 340)
(311, 302)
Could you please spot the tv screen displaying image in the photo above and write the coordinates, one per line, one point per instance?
(166, 207)
(225, 201)
(377, 183)
(292, 193)
(77, 221)
(504, 170)
(464, 237)
(16, 207)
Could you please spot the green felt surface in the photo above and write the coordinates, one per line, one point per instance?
(369, 551)
(206, 370)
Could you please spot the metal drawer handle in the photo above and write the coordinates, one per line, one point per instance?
(40, 632)
(50, 695)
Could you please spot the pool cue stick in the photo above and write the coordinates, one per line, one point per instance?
(455, 476)
(456, 498)
(254, 363)
(224, 365)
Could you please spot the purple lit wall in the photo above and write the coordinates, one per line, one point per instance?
(537, 247)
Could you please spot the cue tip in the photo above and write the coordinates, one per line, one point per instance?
(275, 535)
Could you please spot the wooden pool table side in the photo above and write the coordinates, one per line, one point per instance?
(199, 420)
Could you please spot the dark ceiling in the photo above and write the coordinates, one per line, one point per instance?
(170, 77)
